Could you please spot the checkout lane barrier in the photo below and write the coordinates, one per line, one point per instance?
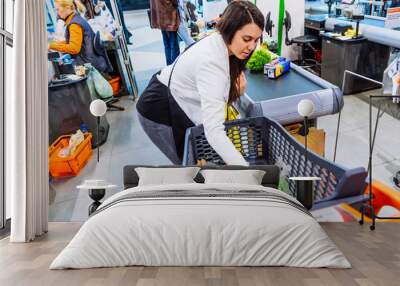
(264, 141)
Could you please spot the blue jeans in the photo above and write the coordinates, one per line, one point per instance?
(183, 27)
(184, 35)
(171, 46)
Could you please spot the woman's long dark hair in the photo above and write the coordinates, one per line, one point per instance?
(238, 14)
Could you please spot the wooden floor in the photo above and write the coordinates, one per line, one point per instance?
(375, 257)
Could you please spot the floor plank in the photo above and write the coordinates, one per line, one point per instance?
(375, 257)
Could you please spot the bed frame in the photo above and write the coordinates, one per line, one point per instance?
(271, 177)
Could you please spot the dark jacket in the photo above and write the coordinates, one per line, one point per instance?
(87, 53)
(164, 15)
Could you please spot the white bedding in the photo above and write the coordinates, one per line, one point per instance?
(203, 231)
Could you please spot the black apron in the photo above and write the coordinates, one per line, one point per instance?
(157, 104)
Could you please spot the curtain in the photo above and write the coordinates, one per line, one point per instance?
(27, 124)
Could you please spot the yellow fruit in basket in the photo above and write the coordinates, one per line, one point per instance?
(234, 135)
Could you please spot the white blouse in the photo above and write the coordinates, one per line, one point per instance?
(200, 85)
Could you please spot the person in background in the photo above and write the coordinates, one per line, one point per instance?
(164, 16)
(395, 3)
(183, 27)
(200, 86)
(79, 36)
(89, 13)
(100, 4)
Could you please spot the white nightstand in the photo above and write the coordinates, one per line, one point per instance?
(97, 190)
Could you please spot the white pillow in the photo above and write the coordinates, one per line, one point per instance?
(246, 177)
(166, 176)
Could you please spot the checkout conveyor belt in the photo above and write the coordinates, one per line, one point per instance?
(373, 21)
(373, 29)
(278, 98)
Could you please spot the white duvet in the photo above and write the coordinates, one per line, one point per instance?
(205, 231)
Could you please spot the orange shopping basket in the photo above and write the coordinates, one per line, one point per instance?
(60, 167)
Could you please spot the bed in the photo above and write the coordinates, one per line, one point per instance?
(201, 224)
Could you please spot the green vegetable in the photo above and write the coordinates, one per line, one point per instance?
(259, 58)
(284, 186)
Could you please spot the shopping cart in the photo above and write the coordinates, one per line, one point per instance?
(264, 141)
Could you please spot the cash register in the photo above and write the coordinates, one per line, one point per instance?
(344, 8)
(58, 67)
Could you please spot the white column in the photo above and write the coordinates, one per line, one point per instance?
(296, 9)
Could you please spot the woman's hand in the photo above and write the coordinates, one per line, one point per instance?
(242, 83)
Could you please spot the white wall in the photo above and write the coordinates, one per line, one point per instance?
(296, 9)
(212, 10)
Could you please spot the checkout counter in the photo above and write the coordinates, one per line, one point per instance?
(69, 101)
(372, 28)
(357, 55)
(367, 55)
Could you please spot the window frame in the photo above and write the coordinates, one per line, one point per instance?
(6, 39)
